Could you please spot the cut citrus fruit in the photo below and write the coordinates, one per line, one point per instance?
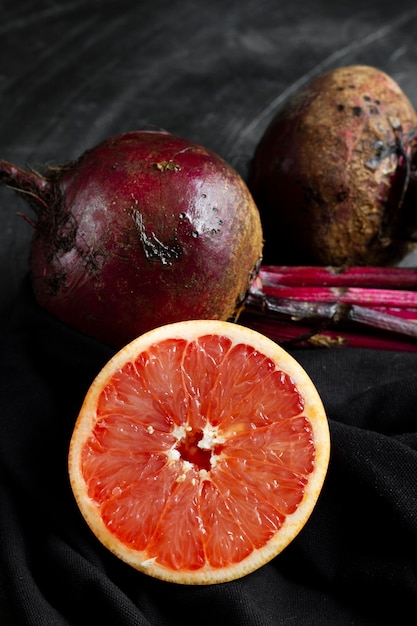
(199, 452)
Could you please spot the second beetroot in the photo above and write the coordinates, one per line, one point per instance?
(334, 176)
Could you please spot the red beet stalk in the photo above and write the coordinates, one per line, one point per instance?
(304, 336)
(302, 276)
(359, 306)
(362, 296)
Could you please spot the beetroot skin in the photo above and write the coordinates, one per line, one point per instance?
(333, 174)
(144, 229)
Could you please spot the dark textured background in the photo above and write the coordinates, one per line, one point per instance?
(72, 73)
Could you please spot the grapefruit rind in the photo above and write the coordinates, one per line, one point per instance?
(313, 410)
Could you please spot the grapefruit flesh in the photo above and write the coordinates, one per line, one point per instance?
(199, 452)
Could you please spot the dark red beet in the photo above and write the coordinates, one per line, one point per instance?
(145, 229)
(334, 174)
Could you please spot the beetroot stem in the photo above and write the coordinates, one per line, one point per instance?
(300, 276)
(347, 295)
(383, 321)
(34, 187)
(334, 312)
(405, 313)
(288, 333)
(382, 299)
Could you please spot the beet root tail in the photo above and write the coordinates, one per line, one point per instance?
(29, 184)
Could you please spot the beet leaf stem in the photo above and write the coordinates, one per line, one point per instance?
(371, 306)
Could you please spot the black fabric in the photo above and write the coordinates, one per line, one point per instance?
(355, 562)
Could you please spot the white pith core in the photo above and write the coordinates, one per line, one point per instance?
(210, 438)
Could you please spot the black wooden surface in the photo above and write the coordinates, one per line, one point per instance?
(72, 72)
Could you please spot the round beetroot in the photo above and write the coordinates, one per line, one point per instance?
(144, 229)
(330, 174)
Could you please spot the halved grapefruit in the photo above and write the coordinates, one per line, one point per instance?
(199, 452)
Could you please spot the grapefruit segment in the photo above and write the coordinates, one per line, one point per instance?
(199, 452)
